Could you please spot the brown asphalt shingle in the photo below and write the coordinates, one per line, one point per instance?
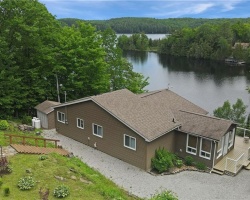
(46, 106)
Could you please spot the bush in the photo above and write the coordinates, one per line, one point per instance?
(27, 120)
(26, 183)
(163, 160)
(200, 166)
(189, 160)
(166, 195)
(61, 191)
(4, 125)
(1, 182)
(6, 191)
(178, 163)
(43, 157)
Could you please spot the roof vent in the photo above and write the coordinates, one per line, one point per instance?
(173, 120)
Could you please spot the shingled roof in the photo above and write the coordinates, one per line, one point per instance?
(156, 113)
(203, 125)
(46, 106)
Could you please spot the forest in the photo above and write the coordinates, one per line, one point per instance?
(38, 53)
(216, 42)
(152, 25)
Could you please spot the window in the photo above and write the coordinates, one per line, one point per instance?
(60, 117)
(97, 130)
(230, 139)
(219, 148)
(80, 123)
(129, 142)
(191, 144)
(205, 148)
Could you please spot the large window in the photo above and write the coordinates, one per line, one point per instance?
(129, 142)
(191, 144)
(97, 130)
(60, 117)
(230, 139)
(80, 123)
(205, 148)
(219, 148)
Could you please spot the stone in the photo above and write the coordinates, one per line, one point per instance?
(73, 177)
(60, 178)
(85, 181)
(28, 171)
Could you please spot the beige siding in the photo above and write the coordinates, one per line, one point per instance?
(112, 142)
(167, 141)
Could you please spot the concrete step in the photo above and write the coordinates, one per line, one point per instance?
(217, 171)
(247, 167)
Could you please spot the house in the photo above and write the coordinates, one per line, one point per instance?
(45, 113)
(241, 44)
(131, 127)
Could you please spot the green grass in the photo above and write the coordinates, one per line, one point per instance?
(43, 171)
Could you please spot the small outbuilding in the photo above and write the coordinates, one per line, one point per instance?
(45, 112)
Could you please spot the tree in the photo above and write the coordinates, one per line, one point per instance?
(120, 70)
(236, 112)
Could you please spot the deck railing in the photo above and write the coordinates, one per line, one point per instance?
(234, 165)
(29, 137)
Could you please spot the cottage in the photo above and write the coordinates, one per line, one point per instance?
(131, 127)
(45, 113)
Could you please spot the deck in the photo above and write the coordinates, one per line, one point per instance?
(38, 150)
(234, 160)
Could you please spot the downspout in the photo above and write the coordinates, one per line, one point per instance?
(214, 156)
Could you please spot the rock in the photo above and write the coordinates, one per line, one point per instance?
(28, 171)
(73, 170)
(60, 178)
(85, 181)
(73, 177)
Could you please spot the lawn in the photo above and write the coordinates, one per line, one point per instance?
(83, 182)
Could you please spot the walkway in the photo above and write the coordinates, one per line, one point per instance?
(38, 150)
(187, 185)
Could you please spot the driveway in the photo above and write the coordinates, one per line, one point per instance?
(187, 185)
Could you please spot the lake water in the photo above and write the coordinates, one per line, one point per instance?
(150, 36)
(205, 83)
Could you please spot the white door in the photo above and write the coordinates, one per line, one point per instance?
(225, 147)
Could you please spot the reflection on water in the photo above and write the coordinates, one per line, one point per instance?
(206, 83)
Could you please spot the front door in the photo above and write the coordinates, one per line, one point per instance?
(225, 147)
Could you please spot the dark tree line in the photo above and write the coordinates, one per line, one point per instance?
(37, 51)
(152, 25)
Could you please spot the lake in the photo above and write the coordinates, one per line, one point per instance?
(205, 83)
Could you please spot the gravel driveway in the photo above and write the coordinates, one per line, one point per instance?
(187, 185)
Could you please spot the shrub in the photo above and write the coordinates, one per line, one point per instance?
(4, 125)
(26, 183)
(166, 195)
(27, 120)
(200, 166)
(61, 191)
(189, 160)
(178, 163)
(163, 160)
(6, 191)
(9, 168)
(1, 182)
(43, 157)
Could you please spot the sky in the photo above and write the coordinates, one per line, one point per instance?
(160, 9)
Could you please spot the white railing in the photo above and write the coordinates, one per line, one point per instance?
(234, 165)
(245, 129)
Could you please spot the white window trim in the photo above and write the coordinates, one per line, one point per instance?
(101, 136)
(191, 148)
(219, 151)
(230, 142)
(205, 152)
(58, 117)
(129, 146)
(80, 123)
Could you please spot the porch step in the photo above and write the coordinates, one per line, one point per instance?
(247, 166)
(216, 171)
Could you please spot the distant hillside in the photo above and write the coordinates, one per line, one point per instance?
(151, 25)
